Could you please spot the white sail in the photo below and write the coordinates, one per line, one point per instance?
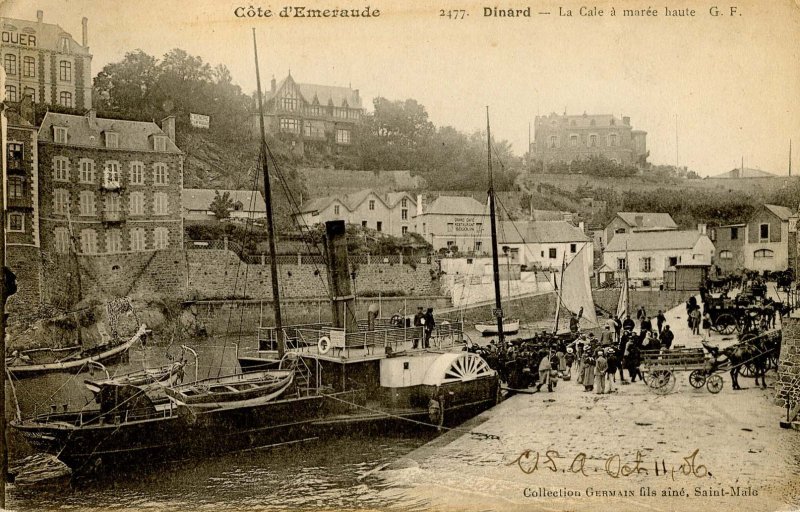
(622, 304)
(576, 290)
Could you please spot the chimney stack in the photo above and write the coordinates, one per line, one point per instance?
(168, 125)
(91, 116)
(39, 16)
(639, 220)
(419, 204)
(26, 109)
(701, 228)
(626, 120)
(273, 85)
(85, 39)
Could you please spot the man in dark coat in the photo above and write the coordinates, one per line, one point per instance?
(419, 321)
(666, 338)
(628, 324)
(660, 319)
(429, 325)
(627, 335)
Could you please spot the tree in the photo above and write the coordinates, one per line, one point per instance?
(221, 205)
(128, 85)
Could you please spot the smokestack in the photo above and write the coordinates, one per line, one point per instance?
(168, 125)
(85, 39)
(419, 204)
(39, 16)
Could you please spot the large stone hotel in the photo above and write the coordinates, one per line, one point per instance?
(563, 138)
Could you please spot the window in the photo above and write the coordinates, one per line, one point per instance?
(15, 151)
(137, 240)
(725, 255)
(289, 101)
(620, 230)
(404, 203)
(673, 260)
(763, 254)
(65, 99)
(111, 175)
(450, 227)
(646, 264)
(113, 241)
(404, 230)
(314, 129)
(30, 91)
(592, 140)
(65, 70)
(87, 202)
(88, 241)
(161, 238)
(573, 248)
(29, 67)
(553, 141)
(371, 204)
(514, 254)
(10, 63)
(424, 229)
(16, 222)
(403, 214)
(160, 203)
(573, 140)
(60, 168)
(64, 44)
(551, 253)
(137, 173)
(60, 201)
(159, 174)
(11, 93)
(363, 223)
(160, 143)
(343, 136)
(450, 243)
(112, 140)
(734, 233)
(764, 232)
(61, 237)
(478, 244)
(379, 226)
(612, 139)
(290, 125)
(621, 264)
(59, 135)
(87, 170)
(137, 203)
(336, 209)
(112, 203)
(16, 187)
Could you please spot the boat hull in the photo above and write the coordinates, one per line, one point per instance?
(490, 329)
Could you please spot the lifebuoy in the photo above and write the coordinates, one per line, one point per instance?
(324, 345)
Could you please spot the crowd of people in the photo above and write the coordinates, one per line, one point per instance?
(544, 359)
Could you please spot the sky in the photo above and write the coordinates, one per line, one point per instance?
(711, 92)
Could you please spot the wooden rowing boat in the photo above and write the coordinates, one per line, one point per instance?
(244, 389)
(489, 328)
(147, 379)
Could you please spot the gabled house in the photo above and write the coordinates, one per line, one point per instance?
(543, 244)
(246, 204)
(454, 221)
(647, 254)
(767, 239)
(628, 222)
(389, 213)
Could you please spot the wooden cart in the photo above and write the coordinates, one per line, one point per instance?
(659, 369)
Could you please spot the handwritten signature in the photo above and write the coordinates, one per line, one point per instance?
(530, 461)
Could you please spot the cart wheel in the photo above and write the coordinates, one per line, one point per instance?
(697, 378)
(747, 370)
(661, 381)
(726, 324)
(714, 384)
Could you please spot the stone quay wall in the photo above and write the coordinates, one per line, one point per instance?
(788, 385)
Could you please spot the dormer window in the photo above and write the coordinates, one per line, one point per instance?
(63, 44)
(112, 139)
(160, 143)
(60, 134)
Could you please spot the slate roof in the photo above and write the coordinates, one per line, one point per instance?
(352, 201)
(649, 220)
(88, 132)
(552, 232)
(747, 172)
(781, 212)
(325, 94)
(455, 205)
(653, 241)
(582, 120)
(201, 198)
(47, 34)
(392, 198)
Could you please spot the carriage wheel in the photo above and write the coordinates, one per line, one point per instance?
(697, 378)
(661, 381)
(772, 362)
(747, 370)
(714, 384)
(726, 324)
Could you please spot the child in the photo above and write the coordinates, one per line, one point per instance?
(613, 364)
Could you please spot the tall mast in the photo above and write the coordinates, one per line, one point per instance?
(273, 267)
(495, 263)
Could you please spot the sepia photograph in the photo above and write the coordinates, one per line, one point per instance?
(400, 256)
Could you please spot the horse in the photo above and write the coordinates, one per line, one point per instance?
(746, 353)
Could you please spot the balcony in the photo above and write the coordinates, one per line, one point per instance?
(112, 217)
(111, 186)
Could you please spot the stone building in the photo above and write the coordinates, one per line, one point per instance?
(629, 222)
(108, 186)
(321, 118)
(43, 61)
(566, 138)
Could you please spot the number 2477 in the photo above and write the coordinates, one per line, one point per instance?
(453, 14)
